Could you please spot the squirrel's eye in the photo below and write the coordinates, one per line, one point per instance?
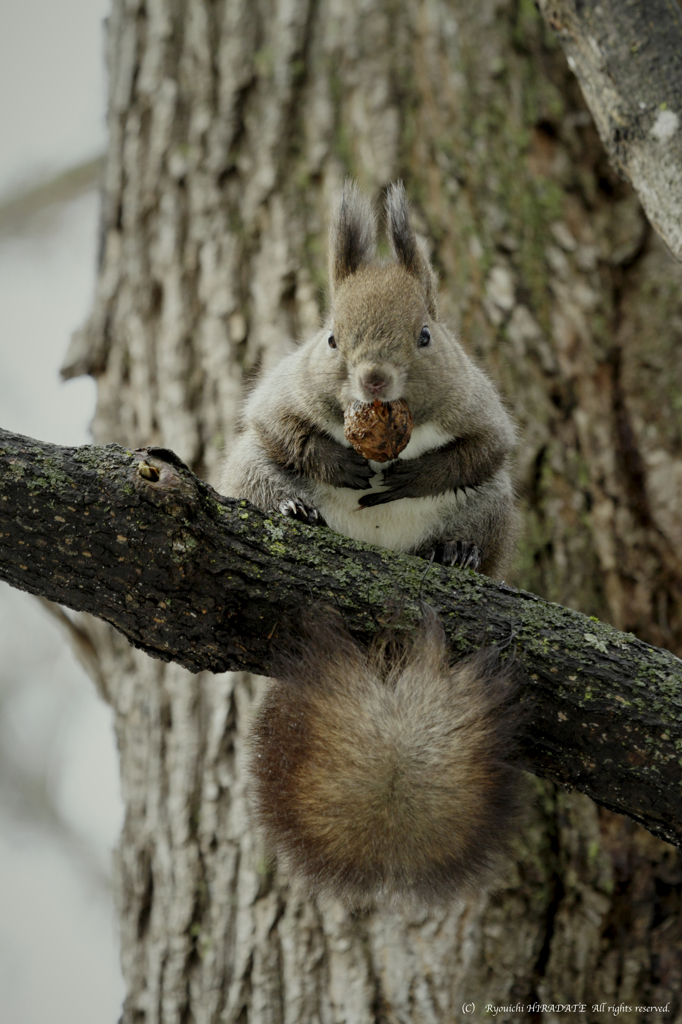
(331, 341)
(424, 337)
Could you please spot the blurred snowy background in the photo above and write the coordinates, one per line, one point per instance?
(60, 808)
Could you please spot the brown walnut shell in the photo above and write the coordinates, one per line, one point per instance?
(378, 430)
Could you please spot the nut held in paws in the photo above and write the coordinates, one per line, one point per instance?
(378, 430)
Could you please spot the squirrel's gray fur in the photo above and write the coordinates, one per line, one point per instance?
(409, 742)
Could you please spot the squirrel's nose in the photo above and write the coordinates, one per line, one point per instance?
(375, 383)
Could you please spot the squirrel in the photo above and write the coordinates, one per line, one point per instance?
(384, 774)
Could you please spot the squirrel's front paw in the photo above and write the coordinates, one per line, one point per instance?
(296, 508)
(353, 471)
(463, 553)
(400, 480)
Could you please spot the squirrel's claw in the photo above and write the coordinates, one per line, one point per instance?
(296, 508)
(463, 553)
(378, 498)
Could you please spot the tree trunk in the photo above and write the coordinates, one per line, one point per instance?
(232, 124)
(628, 60)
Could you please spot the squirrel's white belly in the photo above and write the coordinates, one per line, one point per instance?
(401, 525)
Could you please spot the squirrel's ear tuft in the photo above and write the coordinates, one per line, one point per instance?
(406, 249)
(353, 235)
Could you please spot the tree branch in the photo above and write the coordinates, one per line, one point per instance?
(628, 60)
(186, 575)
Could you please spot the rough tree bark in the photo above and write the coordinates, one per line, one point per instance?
(232, 122)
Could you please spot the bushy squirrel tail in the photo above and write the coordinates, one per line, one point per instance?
(384, 775)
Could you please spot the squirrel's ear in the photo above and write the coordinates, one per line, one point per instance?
(352, 236)
(406, 248)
